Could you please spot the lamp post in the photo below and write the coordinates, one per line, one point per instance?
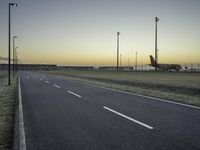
(14, 48)
(10, 4)
(118, 50)
(156, 50)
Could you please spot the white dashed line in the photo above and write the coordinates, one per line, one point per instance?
(27, 77)
(41, 79)
(129, 118)
(74, 94)
(46, 81)
(56, 85)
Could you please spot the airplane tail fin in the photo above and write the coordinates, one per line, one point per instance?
(153, 62)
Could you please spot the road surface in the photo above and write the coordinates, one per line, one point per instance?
(61, 114)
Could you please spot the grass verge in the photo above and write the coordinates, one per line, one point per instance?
(179, 87)
(7, 108)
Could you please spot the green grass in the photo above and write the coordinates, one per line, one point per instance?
(7, 105)
(174, 86)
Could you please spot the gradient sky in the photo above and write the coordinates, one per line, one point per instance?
(83, 32)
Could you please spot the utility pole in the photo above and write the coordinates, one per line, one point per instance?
(118, 50)
(156, 50)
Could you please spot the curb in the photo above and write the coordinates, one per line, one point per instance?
(15, 145)
(19, 133)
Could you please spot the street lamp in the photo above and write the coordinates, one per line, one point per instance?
(156, 50)
(10, 4)
(118, 50)
(14, 48)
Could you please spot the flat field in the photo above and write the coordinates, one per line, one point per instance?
(7, 105)
(175, 86)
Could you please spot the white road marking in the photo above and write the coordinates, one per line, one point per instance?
(41, 79)
(46, 81)
(44, 76)
(22, 138)
(129, 118)
(56, 85)
(153, 98)
(74, 94)
(27, 77)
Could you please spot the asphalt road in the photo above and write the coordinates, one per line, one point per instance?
(64, 115)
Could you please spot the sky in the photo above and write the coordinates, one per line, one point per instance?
(84, 32)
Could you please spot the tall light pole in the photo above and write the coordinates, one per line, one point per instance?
(118, 50)
(136, 61)
(10, 4)
(14, 48)
(156, 50)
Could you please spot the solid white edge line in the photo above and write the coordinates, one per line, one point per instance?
(56, 85)
(74, 94)
(153, 98)
(22, 138)
(129, 118)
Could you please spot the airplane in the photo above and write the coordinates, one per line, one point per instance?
(176, 67)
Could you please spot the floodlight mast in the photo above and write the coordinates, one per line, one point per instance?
(156, 50)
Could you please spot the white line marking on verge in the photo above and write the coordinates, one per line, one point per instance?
(74, 94)
(56, 85)
(153, 98)
(129, 118)
(22, 138)
(46, 81)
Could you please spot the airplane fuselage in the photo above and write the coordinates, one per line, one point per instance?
(176, 67)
